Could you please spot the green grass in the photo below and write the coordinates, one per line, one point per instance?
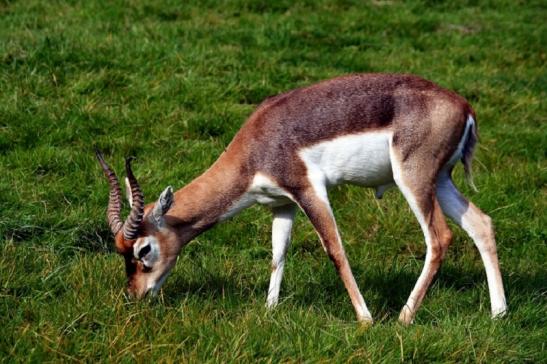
(172, 84)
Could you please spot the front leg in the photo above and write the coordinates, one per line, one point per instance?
(317, 207)
(281, 237)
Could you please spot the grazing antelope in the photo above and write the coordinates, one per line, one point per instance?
(373, 130)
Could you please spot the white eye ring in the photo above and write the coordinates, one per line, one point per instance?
(147, 251)
(144, 251)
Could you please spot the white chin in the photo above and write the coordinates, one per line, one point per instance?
(154, 288)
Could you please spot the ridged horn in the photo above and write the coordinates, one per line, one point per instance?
(115, 195)
(131, 225)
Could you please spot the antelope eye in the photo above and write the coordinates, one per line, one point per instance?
(145, 250)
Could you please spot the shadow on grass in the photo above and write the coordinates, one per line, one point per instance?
(385, 294)
(211, 287)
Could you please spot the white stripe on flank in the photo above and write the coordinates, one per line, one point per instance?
(361, 159)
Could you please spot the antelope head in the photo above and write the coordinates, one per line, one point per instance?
(147, 243)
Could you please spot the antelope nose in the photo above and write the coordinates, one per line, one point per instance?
(135, 294)
(130, 294)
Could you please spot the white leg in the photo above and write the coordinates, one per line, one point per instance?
(479, 227)
(281, 237)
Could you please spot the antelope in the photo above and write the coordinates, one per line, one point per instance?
(373, 130)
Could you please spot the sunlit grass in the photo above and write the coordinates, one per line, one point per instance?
(171, 82)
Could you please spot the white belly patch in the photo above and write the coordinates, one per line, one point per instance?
(361, 159)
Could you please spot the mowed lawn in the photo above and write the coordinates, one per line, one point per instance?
(171, 82)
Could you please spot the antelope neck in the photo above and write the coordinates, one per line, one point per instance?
(200, 204)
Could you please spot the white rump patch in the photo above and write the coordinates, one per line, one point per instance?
(459, 150)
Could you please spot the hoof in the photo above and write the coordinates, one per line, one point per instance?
(365, 321)
(406, 317)
(499, 313)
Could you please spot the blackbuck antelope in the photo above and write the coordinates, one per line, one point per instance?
(373, 130)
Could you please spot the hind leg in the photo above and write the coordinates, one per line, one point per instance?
(437, 238)
(418, 187)
(479, 227)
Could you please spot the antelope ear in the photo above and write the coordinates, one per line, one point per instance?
(128, 193)
(163, 204)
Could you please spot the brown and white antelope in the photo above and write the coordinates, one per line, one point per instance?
(373, 130)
